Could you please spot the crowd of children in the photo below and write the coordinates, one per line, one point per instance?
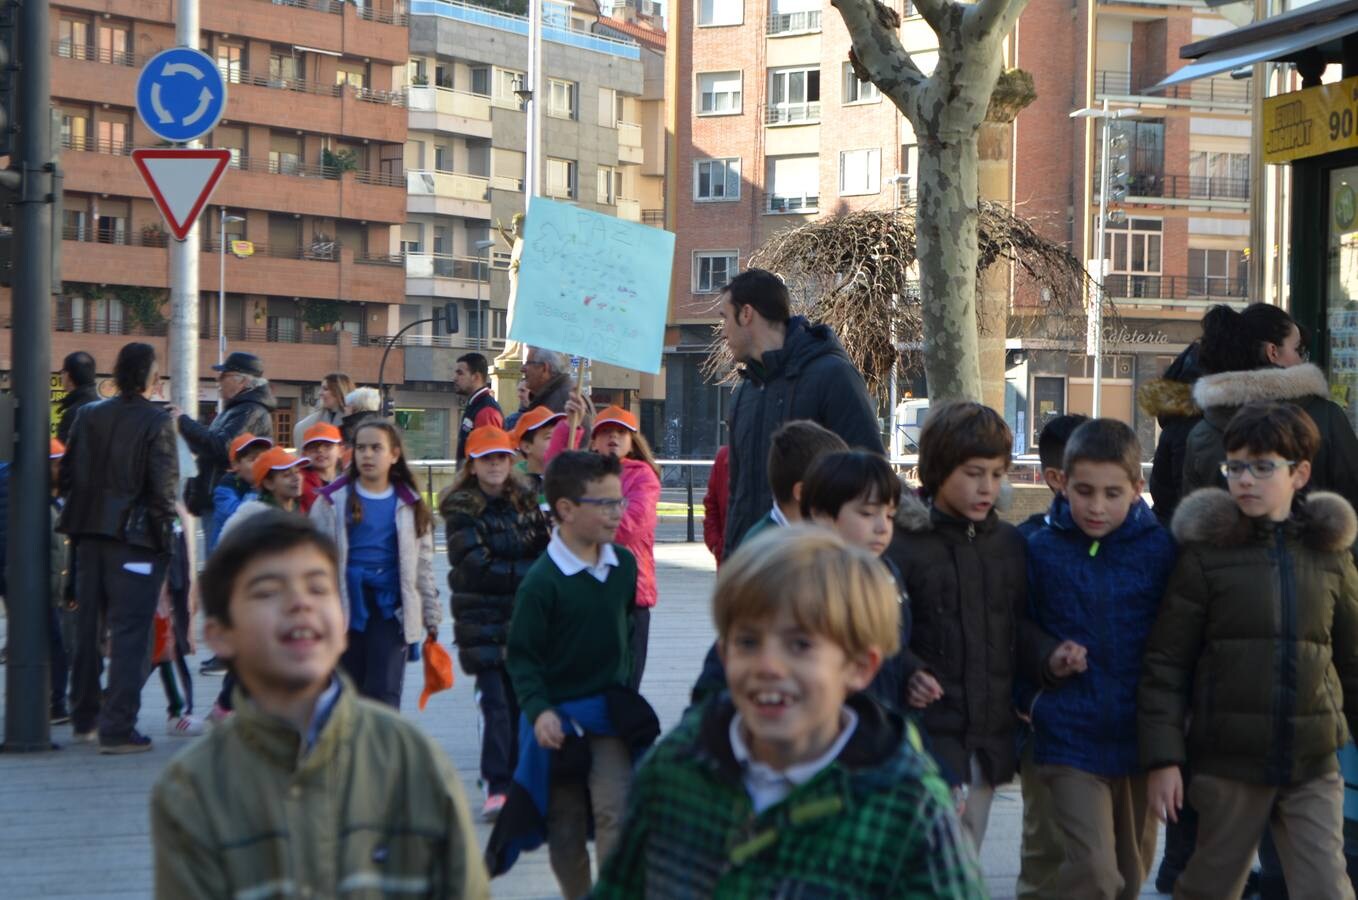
(886, 657)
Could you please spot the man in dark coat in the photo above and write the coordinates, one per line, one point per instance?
(247, 406)
(471, 379)
(119, 477)
(547, 374)
(791, 369)
(77, 380)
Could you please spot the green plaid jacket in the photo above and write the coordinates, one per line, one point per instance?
(877, 822)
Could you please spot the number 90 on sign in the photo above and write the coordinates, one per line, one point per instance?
(1341, 124)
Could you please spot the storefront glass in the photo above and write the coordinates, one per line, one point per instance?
(1342, 290)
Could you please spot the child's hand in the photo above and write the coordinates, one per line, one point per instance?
(547, 730)
(1165, 793)
(1068, 659)
(923, 689)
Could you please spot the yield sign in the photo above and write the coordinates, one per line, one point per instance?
(181, 181)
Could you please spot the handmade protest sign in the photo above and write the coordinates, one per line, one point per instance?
(592, 285)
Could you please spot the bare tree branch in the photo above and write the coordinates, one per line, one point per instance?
(874, 30)
(987, 17)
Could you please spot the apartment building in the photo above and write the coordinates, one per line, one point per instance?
(316, 124)
(465, 160)
(772, 129)
(1178, 233)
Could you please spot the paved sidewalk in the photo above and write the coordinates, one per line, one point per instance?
(74, 824)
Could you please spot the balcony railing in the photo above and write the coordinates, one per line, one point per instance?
(445, 265)
(90, 144)
(475, 188)
(423, 98)
(334, 7)
(440, 341)
(793, 22)
(1186, 187)
(1174, 287)
(68, 49)
(1203, 90)
(314, 250)
(384, 16)
(654, 217)
(103, 325)
(478, 15)
(384, 98)
(793, 114)
(790, 204)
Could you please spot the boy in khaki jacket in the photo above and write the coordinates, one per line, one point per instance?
(309, 790)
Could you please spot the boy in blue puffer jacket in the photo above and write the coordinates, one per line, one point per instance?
(1096, 573)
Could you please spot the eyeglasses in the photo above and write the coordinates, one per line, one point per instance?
(609, 504)
(1260, 468)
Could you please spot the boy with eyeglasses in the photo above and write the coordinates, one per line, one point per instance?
(1257, 638)
(569, 661)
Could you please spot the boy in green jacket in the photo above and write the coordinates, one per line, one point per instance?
(1257, 638)
(308, 790)
(796, 784)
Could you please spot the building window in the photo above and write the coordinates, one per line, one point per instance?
(860, 171)
(794, 96)
(231, 62)
(712, 269)
(1216, 273)
(1134, 255)
(858, 91)
(419, 72)
(1216, 175)
(609, 185)
(75, 130)
(720, 12)
(561, 178)
(283, 69)
(719, 93)
(113, 136)
(561, 97)
(73, 39)
(716, 179)
(793, 17)
(507, 81)
(609, 114)
(480, 80)
(481, 314)
(794, 184)
(354, 75)
(412, 238)
(114, 46)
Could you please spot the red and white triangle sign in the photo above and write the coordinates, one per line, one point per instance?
(181, 181)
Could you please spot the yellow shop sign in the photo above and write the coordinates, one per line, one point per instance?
(1311, 122)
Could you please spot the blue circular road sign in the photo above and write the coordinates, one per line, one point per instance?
(180, 94)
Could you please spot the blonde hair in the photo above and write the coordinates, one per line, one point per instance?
(832, 589)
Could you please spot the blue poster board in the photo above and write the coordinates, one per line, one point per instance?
(592, 285)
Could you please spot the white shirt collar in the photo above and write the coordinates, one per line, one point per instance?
(778, 518)
(767, 785)
(570, 564)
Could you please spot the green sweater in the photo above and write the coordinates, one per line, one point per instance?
(568, 636)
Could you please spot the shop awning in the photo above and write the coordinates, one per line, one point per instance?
(1283, 38)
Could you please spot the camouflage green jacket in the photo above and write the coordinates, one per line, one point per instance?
(877, 822)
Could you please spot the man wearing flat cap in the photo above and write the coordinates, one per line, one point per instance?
(247, 405)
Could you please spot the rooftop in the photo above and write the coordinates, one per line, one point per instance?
(653, 39)
(479, 15)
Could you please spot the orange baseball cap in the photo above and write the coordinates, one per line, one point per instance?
(56, 449)
(244, 440)
(322, 431)
(533, 420)
(276, 459)
(616, 415)
(487, 440)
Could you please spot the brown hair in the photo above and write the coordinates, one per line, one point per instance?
(339, 385)
(956, 432)
(400, 474)
(520, 493)
(270, 533)
(832, 589)
(793, 449)
(1104, 441)
(641, 449)
(1281, 428)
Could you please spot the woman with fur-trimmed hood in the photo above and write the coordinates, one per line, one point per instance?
(1259, 355)
(1170, 400)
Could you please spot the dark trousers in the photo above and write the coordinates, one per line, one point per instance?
(499, 729)
(60, 663)
(639, 636)
(109, 595)
(376, 658)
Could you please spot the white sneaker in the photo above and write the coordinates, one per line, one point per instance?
(185, 726)
(85, 737)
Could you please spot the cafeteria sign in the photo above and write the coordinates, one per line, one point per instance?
(1311, 122)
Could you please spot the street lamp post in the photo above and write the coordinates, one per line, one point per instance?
(481, 271)
(221, 290)
(894, 443)
(1095, 330)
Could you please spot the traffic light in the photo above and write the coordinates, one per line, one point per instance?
(450, 318)
(9, 76)
(388, 407)
(1119, 175)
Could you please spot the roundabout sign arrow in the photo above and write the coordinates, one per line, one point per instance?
(180, 94)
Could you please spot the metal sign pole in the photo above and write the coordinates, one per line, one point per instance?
(184, 267)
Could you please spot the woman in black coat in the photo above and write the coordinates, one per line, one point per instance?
(496, 531)
(1170, 401)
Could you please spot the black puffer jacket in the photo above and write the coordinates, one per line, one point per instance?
(809, 377)
(492, 542)
(70, 405)
(249, 411)
(968, 587)
(1170, 401)
(1221, 396)
(119, 474)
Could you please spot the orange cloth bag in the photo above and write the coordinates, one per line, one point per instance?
(438, 670)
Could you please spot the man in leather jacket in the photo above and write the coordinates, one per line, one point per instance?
(119, 476)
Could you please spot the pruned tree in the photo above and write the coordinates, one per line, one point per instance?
(947, 109)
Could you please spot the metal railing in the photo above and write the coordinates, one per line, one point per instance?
(804, 203)
(314, 251)
(71, 324)
(1184, 187)
(383, 16)
(1174, 287)
(1203, 90)
(446, 265)
(793, 114)
(654, 217)
(479, 15)
(381, 179)
(280, 82)
(334, 7)
(68, 49)
(793, 22)
(89, 144)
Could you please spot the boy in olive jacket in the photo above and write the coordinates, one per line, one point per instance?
(1257, 638)
(308, 790)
